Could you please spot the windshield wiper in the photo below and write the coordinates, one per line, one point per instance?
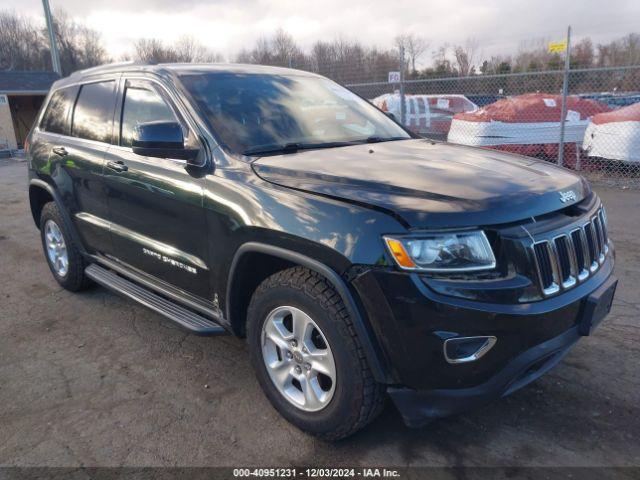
(292, 147)
(284, 148)
(377, 139)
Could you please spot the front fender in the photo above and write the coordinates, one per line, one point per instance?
(369, 343)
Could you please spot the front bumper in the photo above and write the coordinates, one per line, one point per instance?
(418, 407)
(412, 322)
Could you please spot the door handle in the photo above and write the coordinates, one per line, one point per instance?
(60, 151)
(118, 166)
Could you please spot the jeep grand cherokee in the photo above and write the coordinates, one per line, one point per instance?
(357, 260)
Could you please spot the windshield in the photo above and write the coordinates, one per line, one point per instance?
(259, 114)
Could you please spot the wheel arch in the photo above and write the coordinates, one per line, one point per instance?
(239, 294)
(41, 193)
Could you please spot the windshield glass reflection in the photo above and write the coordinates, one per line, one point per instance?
(257, 113)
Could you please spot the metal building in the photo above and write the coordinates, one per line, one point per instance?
(21, 96)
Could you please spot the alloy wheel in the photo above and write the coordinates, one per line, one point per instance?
(298, 358)
(56, 248)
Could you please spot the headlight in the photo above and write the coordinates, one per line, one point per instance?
(442, 252)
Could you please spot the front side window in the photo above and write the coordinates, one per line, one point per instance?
(54, 119)
(142, 105)
(258, 113)
(93, 114)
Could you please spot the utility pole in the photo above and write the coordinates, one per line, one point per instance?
(55, 57)
(565, 91)
(403, 108)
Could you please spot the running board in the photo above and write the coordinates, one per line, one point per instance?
(186, 319)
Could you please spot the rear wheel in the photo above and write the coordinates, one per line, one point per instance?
(64, 259)
(307, 356)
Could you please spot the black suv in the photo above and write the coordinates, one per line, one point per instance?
(356, 259)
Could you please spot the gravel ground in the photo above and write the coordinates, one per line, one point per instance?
(92, 379)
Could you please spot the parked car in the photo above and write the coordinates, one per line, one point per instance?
(615, 136)
(427, 115)
(528, 124)
(482, 100)
(356, 260)
(614, 99)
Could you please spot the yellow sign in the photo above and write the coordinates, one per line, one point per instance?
(558, 47)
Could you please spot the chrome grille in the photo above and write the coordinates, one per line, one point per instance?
(569, 258)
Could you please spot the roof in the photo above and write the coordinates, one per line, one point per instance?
(26, 82)
(625, 114)
(171, 69)
(534, 108)
(232, 68)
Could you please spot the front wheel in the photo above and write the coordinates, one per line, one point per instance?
(307, 356)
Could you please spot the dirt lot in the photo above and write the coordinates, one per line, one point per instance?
(93, 379)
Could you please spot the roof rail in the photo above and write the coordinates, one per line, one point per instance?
(107, 67)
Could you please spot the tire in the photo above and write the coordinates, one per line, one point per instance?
(72, 277)
(353, 398)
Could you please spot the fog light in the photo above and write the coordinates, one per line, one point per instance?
(467, 349)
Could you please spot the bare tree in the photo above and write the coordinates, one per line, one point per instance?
(284, 48)
(189, 50)
(186, 50)
(321, 55)
(278, 49)
(24, 46)
(624, 51)
(80, 47)
(152, 50)
(21, 47)
(261, 53)
(342, 60)
(441, 61)
(582, 54)
(91, 49)
(466, 56)
(414, 46)
(532, 55)
(497, 64)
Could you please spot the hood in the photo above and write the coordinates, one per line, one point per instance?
(429, 185)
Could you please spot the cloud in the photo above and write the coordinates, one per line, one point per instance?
(229, 25)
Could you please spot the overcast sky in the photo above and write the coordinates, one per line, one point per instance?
(227, 26)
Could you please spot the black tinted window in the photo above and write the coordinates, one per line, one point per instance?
(55, 117)
(93, 115)
(142, 106)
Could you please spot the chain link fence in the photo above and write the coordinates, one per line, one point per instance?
(521, 113)
(516, 112)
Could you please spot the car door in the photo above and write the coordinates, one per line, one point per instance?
(155, 206)
(75, 150)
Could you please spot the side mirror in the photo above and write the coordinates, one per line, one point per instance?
(161, 140)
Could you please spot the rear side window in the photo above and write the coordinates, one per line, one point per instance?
(93, 114)
(142, 105)
(54, 119)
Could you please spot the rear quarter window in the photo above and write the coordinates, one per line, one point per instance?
(93, 113)
(55, 116)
